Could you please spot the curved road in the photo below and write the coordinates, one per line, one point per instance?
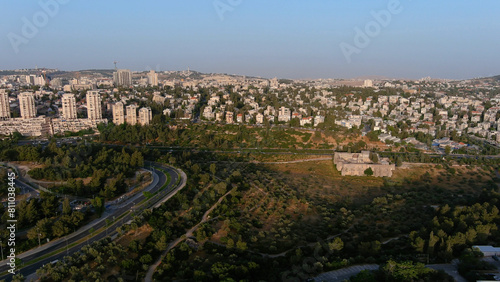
(114, 212)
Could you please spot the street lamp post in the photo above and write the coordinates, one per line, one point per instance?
(39, 234)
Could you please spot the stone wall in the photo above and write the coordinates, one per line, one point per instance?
(356, 164)
(379, 170)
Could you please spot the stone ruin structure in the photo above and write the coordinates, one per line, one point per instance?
(356, 164)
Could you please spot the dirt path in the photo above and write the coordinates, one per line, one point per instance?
(189, 233)
(299, 161)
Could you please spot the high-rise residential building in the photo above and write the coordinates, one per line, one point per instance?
(274, 83)
(145, 116)
(35, 80)
(122, 78)
(94, 110)
(30, 79)
(27, 105)
(4, 104)
(132, 114)
(118, 113)
(152, 78)
(68, 106)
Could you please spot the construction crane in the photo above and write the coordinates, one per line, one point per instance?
(115, 62)
(43, 73)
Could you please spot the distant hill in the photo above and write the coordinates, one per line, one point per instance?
(195, 75)
(83, 73)
(373, 77)
(491, 79)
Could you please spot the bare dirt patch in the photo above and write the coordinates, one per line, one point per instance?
(320, 180)
(465, 178)
(140, 234)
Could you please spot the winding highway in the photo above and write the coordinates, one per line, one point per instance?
(118, 214)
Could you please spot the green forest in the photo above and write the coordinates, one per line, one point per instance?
(106, 167)
(248, 221)
(263, 227)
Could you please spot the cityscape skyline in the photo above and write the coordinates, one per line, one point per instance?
(233, 140)
(397, 39)
(63, 126)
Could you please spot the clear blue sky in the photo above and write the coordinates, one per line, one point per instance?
(287, 39)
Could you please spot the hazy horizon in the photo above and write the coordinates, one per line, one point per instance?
(296, 40)
(371, 77)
